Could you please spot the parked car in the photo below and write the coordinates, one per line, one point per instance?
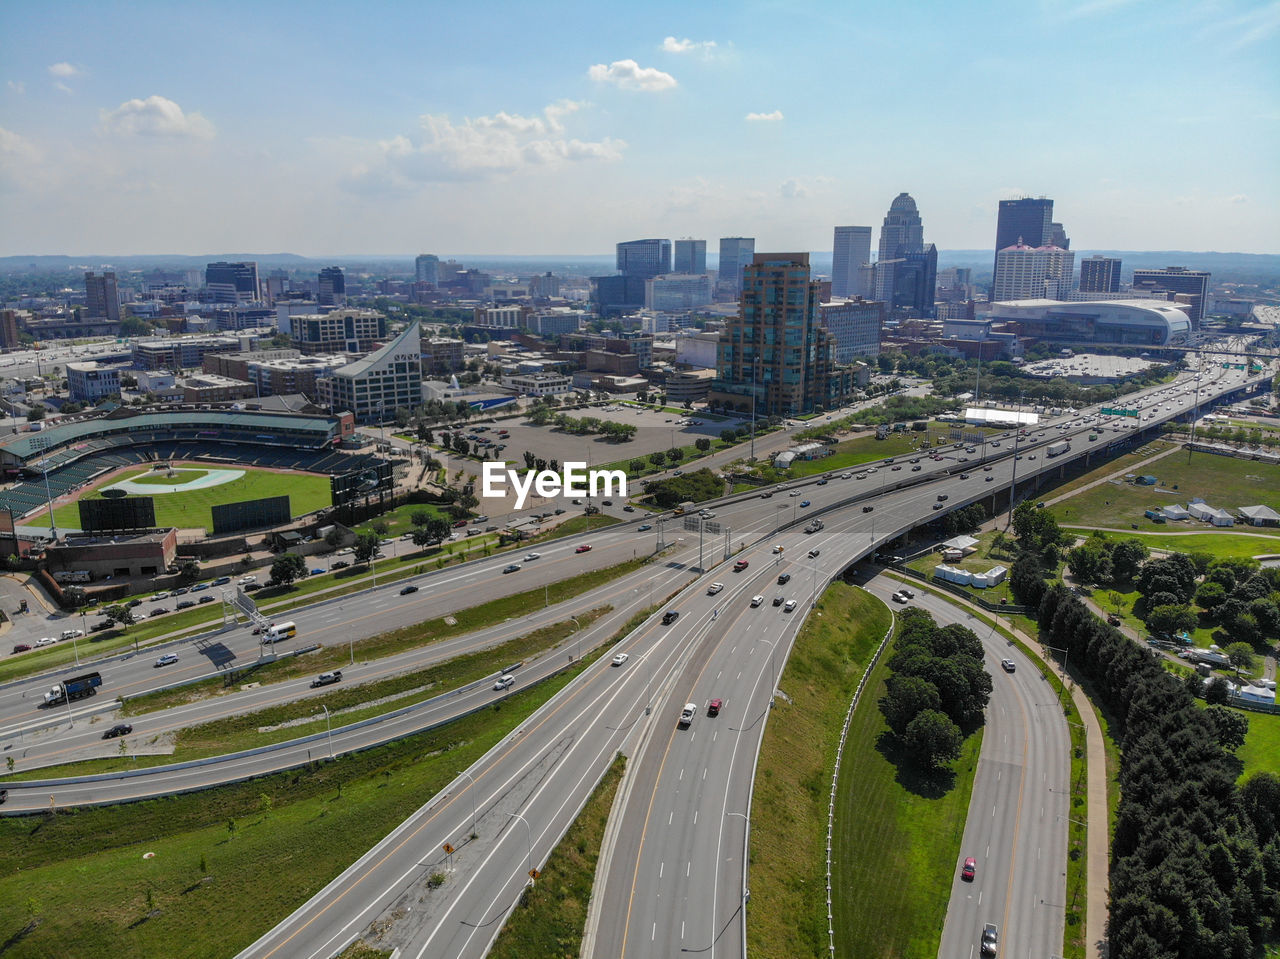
(318, 570)
(340, 564)
(204, 599)
(21, 647)
(186, 604)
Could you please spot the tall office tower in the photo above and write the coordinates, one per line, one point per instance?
(232, 282)
(101, 296)
(1058, 237)
(855, 325)
(915, 276)
(1100, 274)
(735, 253)
(644, 258)
(9, 338)
(1032, 273)
(691, 256)
(331, 290)
(1025, 220)
(426, 269)
(850, 251)
(902, 230)
(777, 326)
(1190, 286)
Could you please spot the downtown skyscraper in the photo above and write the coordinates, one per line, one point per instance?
(735, 254)
(850, 252)
(902, 232)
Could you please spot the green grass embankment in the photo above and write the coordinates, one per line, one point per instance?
(787, 916)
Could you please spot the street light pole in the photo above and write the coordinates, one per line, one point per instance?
(475, 828)
(329, 726)
(516, 815)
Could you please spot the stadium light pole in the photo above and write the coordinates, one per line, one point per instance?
(42, 444)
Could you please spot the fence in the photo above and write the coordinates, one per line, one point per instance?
(835, 775)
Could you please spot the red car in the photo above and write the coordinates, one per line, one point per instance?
(740, 565)
(584, 548)
(970, 869)
(713, 707)
(460, 524)
(21, 648)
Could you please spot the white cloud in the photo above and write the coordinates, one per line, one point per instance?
(17, 86)
(65, 71)
(773, 117)
(477, 148)
(793, 189)
(20, 161)
(629, 75)
(672, 45)
(1255, 26)
(1239, 198)
(155, 116)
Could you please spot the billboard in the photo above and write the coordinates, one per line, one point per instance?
(353, 486)
(117, 515)
(250, 514)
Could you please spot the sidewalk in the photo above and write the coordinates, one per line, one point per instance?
(1098, 882)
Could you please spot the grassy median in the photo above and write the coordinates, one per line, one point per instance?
(787, 915)
(227, 863)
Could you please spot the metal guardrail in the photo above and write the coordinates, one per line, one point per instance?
(835, 775)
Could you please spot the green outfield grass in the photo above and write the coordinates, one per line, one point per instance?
(307, 492)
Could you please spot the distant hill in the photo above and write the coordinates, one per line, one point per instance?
(1257, 267)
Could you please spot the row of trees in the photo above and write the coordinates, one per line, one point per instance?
(693, 487)
(938, 690)
(1195, 861)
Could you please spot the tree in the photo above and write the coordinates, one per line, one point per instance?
(1026, 580)
(421, 537)
(189, 571)
(933, 739)
(1216, 692)
(333, 538)
(420, 517)
(1241, 656)
(1210, 595)
(728, 435)
(366, 545)
(907, 697)
(121, 614)
(1171, 619)
(702, 443)
(36, 413)
(288, 567)
(657, 458)
(74, 596)
(1127, 557)
(380, 527)
(636, 466)
(1230, 727)
(437, 528)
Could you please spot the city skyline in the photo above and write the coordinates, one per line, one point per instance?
(157, 128)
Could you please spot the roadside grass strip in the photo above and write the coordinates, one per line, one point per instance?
(787, 915)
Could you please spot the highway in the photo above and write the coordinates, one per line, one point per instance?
(1016, 828)
(527, 790)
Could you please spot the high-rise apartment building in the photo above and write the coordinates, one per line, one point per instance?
(9, 339)
(1191, 287)
(1025, 272)
(735, 253)
(902, 232)
(1058, 237)
(855, 325)
(1100, 274)
(375, 387)
(644, 258)
(101, 296)
(776, 349)
(232, 282)
(426, 269)
(331, 287)
(850, 252)
(691, 256)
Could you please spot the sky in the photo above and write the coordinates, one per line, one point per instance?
(339, 129)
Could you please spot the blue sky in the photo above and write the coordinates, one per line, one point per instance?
(505, 128)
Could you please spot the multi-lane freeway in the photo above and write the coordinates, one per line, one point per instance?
(681, 839)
